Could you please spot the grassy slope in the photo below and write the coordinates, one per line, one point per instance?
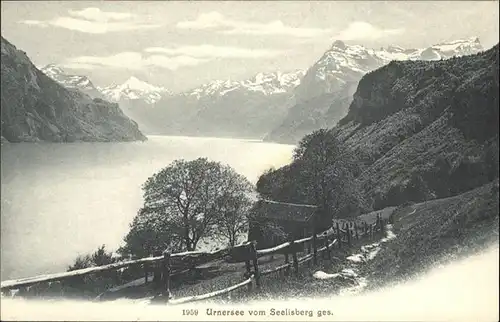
(437, 231)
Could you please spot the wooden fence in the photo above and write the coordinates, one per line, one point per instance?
(167, 265)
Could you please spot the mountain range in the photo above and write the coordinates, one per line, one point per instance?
(37, 108)
(248, 108)
(326, 91)
(278, 106)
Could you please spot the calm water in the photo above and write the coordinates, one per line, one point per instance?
(61, 200)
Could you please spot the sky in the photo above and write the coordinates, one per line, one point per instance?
(181, 45)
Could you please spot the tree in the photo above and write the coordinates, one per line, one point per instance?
(91, 284)
(98, 258)
(328, 169)
(234, 218)
(186, 201)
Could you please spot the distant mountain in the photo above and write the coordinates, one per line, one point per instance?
(248, 108)
(131, 90)
(133, 96)
(264, 83)
(324, 95)
(79, 82)
(134, 89)
(35, 107)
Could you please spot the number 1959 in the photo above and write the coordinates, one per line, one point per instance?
(190, 312)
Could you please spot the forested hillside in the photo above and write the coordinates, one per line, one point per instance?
(419, 130)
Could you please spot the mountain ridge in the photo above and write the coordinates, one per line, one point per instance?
(339, 69)
(274, 106)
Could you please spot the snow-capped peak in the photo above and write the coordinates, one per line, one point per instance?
(342, 57)
(338, 44)
(79, 82)
(342, 63)
(135, 89)
(460, 46)
(267, 83)
(137, 84)
(52, 69)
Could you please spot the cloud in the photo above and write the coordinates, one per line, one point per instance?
(205, 20)
(360, 30)
(171, 58)
(34, 23)
(95, 21)
(132, 61)
(94, 27)
(96, 14)
(215, 20)
(211, 51)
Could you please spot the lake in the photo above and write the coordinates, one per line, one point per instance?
(61, 200)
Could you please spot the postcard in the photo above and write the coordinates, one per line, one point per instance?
(249, 161)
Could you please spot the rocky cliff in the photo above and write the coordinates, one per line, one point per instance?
(425, 129)
(36, 108)
(421, 129)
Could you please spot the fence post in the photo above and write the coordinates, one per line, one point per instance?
(382, 228)
(157, 272)
(308, 247)
(305, 244)
(327, 250)
(248, 273)
(255, 265)
(344, 231)
(294, 257)
(339, 236)
(365, 229)
(315, 248)
(348, 232)
(166, 275)
(356, 231)
(145, 266)
(287, 261)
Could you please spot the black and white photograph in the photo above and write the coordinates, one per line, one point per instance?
(249, 161)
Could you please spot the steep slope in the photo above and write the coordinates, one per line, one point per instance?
(248, 108)
(35, 107)
(421, 129)
(324, 95)
(314, 113)
(433, 232)
(426, 129)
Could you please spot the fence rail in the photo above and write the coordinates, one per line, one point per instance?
(212, 294)
(164, 266)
